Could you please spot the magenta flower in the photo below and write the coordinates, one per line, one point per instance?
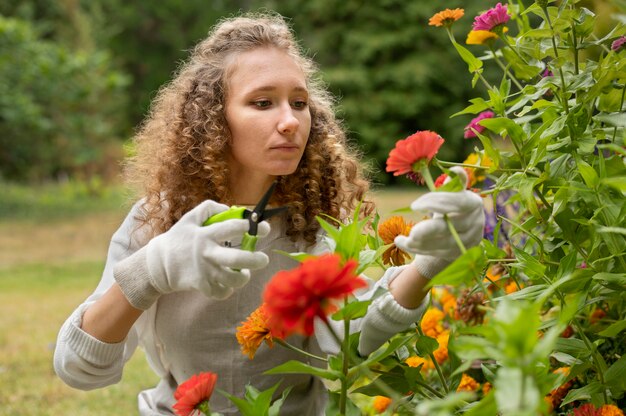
(618, 43)
(492, 18)
(473, 125)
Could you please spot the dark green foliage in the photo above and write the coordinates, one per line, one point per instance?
(59, 107)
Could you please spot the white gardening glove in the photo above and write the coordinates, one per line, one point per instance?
(190, 256)
(430, 240)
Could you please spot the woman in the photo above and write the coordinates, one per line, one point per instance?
(244, 111)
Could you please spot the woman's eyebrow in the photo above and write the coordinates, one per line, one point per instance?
(273, 88)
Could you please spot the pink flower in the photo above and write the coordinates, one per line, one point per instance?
(473, 125)
(492, 18)
(618, 43)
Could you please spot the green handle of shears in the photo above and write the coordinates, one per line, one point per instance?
(249, 242)
(232, 213)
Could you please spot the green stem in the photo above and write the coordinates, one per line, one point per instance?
(504, 68)
(436, 364)
(418, 382)
(556, 56)
(467, 165)
(345, 348)
(575, 44)
(600, 369)
(621, 104)
(507, 43)
(298, 350)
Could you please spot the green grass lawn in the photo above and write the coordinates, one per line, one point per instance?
(48, 265)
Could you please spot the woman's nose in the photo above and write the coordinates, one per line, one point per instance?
(288, 123)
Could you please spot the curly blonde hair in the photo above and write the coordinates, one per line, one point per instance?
(181, 146)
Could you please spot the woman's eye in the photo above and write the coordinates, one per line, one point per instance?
(262, 103)
(300, 104)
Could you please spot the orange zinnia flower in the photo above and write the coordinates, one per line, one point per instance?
(441, 353)
(467, 384)
(415, 362)
(609, 410)
(254, 331)
(194, 393)
(446, 17)
(381, 403)
(295, 297)
(431, 322)
(418, 148)
(388, 231)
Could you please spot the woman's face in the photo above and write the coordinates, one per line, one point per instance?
(268, 115)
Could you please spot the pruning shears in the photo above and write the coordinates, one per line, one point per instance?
(254, 217)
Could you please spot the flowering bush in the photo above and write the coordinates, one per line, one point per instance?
(532, 321)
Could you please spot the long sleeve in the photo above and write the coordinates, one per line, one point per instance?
(81, 360)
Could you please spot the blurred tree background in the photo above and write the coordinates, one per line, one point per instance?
(77, 76)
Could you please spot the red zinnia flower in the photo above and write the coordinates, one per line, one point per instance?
(194, 393)
(419, 147)
(492, 18)
(293, 298)
(586, 410)
(473, 125)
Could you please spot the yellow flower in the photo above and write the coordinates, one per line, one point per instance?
(609, 410)
(388, 231)
(431, 322)
(415, 362)
(446, 17)
(476, 159)
(480, 37)
(467, 384)
(381, 403)
(253, 332)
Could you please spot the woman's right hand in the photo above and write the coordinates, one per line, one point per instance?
(192, 256)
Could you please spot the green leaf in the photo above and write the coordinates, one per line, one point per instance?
(583, 393)
(555, 127)
(466, 267)
(474, 64)
(612, 119)
(352, 310)
(613, 329)
(300, 257)
(529, 264)
(589, 174)
(616, 372)
(298, 367)
(478, 105)
(515, 391)
(616, 182)
(257, 403)
(616, 281)
(425, 345)
(505, 127)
